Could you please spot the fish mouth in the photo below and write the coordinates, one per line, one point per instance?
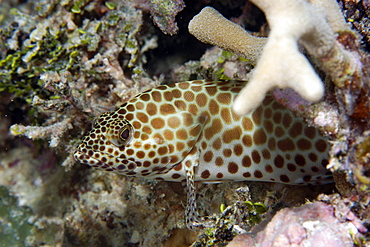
(86, 159)
(106, 161)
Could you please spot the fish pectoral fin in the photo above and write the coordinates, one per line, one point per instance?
(189, 164)
(193, 220)
(195, 124)
(189, 132)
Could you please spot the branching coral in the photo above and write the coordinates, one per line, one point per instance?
(211, 27)
(52, 132)
(281, 64)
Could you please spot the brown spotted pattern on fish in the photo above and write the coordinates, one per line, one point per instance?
(187, 131)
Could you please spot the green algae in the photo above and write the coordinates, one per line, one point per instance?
(57, 39)
(255, 211)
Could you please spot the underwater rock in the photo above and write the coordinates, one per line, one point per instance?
(313, 224)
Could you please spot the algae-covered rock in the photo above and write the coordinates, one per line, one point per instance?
(15, 226)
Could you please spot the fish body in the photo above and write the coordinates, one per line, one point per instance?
(187, 131)
(152, 134)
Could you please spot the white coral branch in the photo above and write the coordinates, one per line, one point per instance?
(53, 132)
(281, 64)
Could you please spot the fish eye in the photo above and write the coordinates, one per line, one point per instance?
(124, 134)
(118, 133)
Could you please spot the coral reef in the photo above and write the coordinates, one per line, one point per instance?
(63, 63)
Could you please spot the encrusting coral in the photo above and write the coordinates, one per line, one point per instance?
(163, 13)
